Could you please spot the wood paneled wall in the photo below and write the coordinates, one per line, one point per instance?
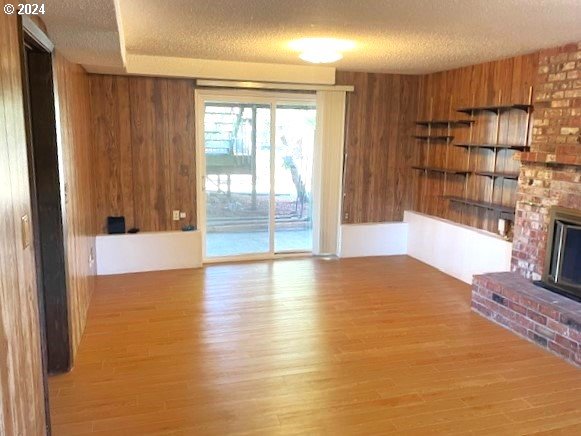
(144, 150)
(379, 145)
(21, 377)
(505, 81)
(74, 117)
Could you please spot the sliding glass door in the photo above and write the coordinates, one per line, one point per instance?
(257, 166)
(293, 171)
(237, 183)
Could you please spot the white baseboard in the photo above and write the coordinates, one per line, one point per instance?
(148, 251)
(378, 239)
(455, 249)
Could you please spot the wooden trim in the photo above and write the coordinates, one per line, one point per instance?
(51, 210)
(272, 86)
(33, 31)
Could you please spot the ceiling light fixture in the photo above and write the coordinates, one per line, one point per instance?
(321, 50)
(316, 57)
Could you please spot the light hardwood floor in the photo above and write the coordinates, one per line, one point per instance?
(306, 346)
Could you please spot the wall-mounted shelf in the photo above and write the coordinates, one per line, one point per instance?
(490, 175)
(497, 174)
(434, 137)
(496, 109)
(507, 210)
(444, 123)
(494, 146)
(441, 170)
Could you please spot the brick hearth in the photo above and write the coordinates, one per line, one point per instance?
(550, 176)
(536, 314)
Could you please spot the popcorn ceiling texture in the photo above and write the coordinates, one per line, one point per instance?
(85, 31)
(411, 36)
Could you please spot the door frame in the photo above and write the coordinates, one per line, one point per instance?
(271, 98)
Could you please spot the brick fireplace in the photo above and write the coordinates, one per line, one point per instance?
(550, 176)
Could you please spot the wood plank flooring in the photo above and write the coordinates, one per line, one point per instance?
(306, 346)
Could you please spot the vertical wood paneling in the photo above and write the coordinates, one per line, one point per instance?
(149, 129)
(379, 145)
(181, 147)
(72, 89)
(21, 375)
(501, 82)
(113, 158)
(144, 150)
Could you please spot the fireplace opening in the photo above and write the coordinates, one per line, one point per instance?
(562, 271)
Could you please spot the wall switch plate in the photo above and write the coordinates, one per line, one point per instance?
(182, 215)
(176, 215)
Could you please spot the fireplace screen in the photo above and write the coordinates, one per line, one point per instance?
(563, 266)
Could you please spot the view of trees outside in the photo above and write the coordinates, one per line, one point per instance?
(238, 158)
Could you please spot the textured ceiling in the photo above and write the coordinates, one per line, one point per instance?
(405, 36)
(85, 31)
(408, 36)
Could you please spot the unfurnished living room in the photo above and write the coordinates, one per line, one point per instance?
(226, 217)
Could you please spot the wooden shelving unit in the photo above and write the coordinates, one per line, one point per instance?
(434, 137)
(493, 196)
(444, 123)
(507, 210)
(497, 174)
(503, 211)
(496, 109)
(440, 170)
(494, 146)
(443, 140)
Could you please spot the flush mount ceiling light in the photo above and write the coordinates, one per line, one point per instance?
(321, 50)
(316, 57)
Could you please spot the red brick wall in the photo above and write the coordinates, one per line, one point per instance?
(551, 171)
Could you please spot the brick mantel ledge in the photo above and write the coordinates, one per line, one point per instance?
(551, 158)
(549, 320)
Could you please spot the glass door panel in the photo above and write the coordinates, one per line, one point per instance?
(293, 174)
(237, 178)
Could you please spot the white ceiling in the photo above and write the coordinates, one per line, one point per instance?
(86, 31)
(397, 36)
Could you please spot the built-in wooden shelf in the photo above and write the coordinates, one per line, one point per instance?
(434, 137)
(495, 183)
(496, 109)
(494, 146)
(428, 123)
(507, 211)
(441, 170)
(497, 174)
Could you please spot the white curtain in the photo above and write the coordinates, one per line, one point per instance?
(328, 171)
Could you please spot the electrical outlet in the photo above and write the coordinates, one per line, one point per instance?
(502, 227)
(176, 215)
(183, 215)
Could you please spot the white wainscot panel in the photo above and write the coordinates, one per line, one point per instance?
(148, 251)
(378, 239)
(455, 249)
